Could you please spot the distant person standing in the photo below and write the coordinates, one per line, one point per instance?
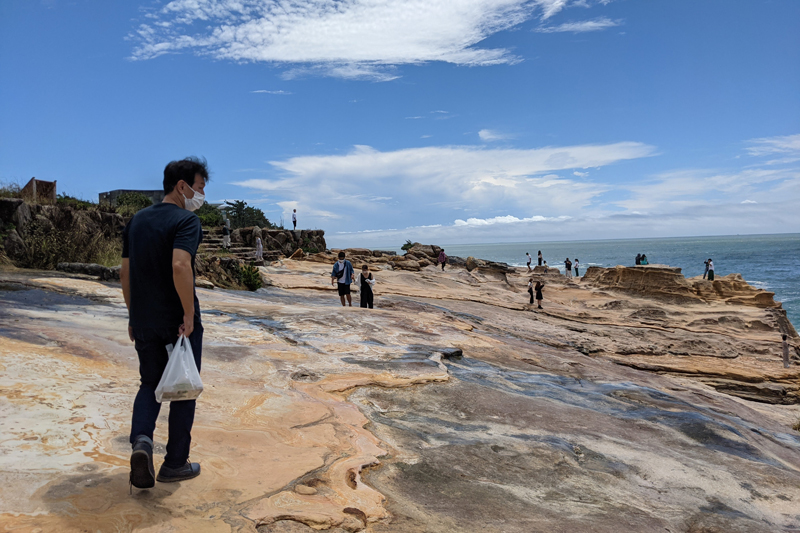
(545, 266)
(259, 249)
(575, 265)
(539, 255)
(530, 289)
(710, 270)
(342, 276)
(442, 259)
(294, 218)
(644, 261)
(538, 288)
(785, 352)
(529, 258)
(705, 273)
(159, 245)
(568, 268)
(366, 281)
(638, 259)
(226, 236)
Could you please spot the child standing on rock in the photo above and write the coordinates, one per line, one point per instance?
(366, 281)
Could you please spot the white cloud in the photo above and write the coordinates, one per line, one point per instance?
(749, 202)
(414, 118)
(599, 24)
(787, 144)
(580, 174)
(264, 91)
(507, 219)
(354, 39)
(491, 135)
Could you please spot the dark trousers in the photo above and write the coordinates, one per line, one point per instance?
(540, 261)
(531, 293)
(366, 298)
(294, 223)
(710, 275)
(151, 346)
(443, 264)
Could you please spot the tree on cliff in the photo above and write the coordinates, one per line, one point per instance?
(209, 215)
(242, 215)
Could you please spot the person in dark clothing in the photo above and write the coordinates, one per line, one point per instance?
(530, 289)
(366, 281)
(342, 276)
(538, 288)
(705, 273)
(638, 259)
(157, 275)
(568, 268)
(442, 259)
(539, 256)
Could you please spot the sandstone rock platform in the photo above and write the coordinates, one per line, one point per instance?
(453, 406)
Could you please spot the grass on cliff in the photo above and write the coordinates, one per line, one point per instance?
(10, 189)
(48, 245)
(796, 426)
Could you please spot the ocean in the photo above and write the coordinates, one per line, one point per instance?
(770, 262)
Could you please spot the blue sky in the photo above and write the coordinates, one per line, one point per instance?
(439, 121)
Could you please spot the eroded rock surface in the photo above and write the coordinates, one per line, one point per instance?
(453, 406)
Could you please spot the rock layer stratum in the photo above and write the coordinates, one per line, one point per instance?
(630, 403)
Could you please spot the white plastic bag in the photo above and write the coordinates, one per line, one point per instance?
(181, 380)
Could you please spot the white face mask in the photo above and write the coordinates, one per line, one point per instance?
(194, 203)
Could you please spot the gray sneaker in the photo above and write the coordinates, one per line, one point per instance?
(143, 474)
(182, 473)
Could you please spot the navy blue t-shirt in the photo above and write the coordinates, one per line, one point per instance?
(147, 242)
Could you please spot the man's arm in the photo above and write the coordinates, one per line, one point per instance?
(183, 278)
(125, 279)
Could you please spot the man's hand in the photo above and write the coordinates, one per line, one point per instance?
(130, 334)
(187, 327)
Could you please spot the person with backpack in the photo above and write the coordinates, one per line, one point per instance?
(342, 276)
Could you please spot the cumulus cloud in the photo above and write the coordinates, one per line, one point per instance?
(583, 26)
(507, 219)
(354, 39)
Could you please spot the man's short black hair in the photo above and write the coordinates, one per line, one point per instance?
(365, 267)
(341, 255)
(186, 170)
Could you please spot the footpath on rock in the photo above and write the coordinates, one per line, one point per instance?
(636, 400)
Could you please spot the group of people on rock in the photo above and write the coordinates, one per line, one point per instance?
(539, 259)
(641, 259)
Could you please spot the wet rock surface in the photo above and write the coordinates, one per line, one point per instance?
(453, 406)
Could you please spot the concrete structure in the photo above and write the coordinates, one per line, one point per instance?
(111, 196)
(40, 192)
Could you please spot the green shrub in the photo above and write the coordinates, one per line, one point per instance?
(796, 426)
(75, 203)
(129, 203)
(209, 215)
(408, 245)
(250, 277)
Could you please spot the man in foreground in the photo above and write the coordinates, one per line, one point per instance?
(342, 276)
(158, 252)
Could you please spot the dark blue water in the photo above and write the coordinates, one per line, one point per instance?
(770, 262)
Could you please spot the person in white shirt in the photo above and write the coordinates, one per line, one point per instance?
(710, 270)
(529, 258)
(294, 218)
